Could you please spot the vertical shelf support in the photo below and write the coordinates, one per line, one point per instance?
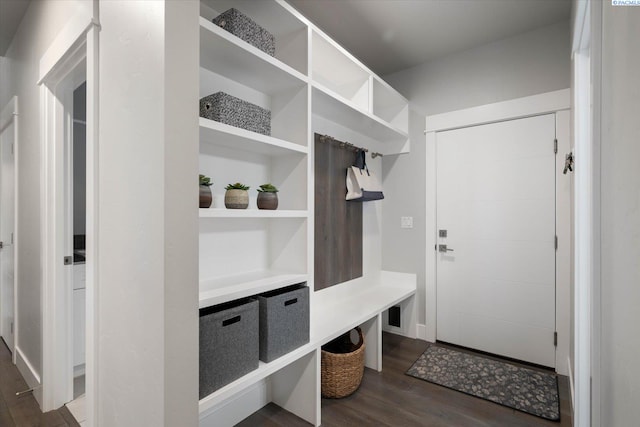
(372, 331)
(296, 387)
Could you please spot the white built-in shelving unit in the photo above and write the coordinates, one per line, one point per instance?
(246, 252)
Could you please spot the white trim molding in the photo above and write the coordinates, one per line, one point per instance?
(534, 105)
(29, 374)
(63, 67)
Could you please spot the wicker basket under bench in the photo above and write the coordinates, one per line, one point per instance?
(341, 373)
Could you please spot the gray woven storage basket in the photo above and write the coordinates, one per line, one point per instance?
(233, 111)
(242, 26)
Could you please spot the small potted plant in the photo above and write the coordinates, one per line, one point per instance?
(267, 197)
(236, 196)
(205, 191)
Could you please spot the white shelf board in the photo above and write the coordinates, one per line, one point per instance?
(335, 108)
(224, 289)
(252, 213)
(227, 55)
(213, 132)
(209, 403)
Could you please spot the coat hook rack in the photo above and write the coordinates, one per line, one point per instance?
(374, 155)
(343, 144)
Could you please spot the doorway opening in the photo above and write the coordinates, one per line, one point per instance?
(8, 253)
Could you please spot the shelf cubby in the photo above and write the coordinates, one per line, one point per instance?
(288, 106)
(286, 169)
(326, 104)
(338, 73)
(244, 256)
(291, 34)
(390, 106)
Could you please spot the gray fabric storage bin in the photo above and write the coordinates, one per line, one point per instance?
(233, 111)
(228, 343)
(284, 321)
(240, 25)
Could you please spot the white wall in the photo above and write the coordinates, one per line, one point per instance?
(528, 64)
(620, 217)
(41, 23)
(147, 286)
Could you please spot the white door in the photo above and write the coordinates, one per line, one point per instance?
(496, 201)
(7, 221)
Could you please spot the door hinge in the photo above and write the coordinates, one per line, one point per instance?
(11, 328)
(555, 339)
(12, 238)
(555, 146)
(556, 242)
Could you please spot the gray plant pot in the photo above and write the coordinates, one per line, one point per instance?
(268, 201)
(236, 199)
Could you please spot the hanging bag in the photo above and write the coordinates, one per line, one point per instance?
(362, 185)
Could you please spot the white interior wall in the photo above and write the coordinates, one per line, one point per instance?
(40, 25)
(620, 218)
(147, 290)
(528, 64)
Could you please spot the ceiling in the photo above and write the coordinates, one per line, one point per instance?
(392, 35)
(11, 13)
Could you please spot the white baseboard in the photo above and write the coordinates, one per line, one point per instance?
(421, 331)
(232, 411)
(79, 370)
(29, 374)
(571, 389)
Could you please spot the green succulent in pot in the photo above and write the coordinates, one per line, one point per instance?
(205, 191)
(236, 196)
(268, 197)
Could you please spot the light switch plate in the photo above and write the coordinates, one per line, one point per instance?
(406, 222)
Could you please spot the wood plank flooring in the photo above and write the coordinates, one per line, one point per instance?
(24, 411)
(391, 398)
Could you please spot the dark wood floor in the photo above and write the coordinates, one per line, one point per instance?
(391, 398)
(24, 411)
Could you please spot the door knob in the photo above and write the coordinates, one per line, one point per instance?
(443, 248)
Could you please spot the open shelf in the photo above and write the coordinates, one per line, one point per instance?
(208, 404)
(389, 105)
(252, 213)
(331, 106)
(289, 32)
(229, 56)
(217, 133)
(224, 289)
(335, 70)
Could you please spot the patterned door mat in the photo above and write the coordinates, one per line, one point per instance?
(524, 389)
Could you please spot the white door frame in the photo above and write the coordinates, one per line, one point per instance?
(557, 102)
(586, 320)
(9, 115)
(71, 59)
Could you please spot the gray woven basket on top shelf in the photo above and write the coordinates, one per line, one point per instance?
(242, 26)
(233, 111)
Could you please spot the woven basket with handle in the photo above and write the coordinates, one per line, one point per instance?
(341, 373)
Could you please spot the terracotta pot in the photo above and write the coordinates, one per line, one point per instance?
(236, 199)
(267, 200)
(205, 196)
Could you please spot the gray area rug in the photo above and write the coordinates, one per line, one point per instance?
(524, 389)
